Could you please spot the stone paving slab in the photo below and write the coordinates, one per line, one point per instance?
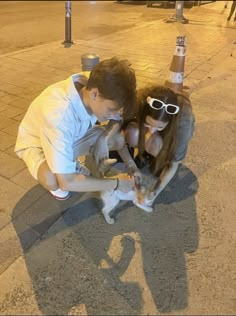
(10, 194)
(17, 241)
(10, 166)
(25, 180)
(4, 219)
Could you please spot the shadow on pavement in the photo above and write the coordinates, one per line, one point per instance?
(59, 263)
(164, 237)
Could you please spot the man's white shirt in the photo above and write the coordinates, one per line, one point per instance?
(55, 121)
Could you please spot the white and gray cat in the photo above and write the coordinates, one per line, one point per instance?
(112, 198)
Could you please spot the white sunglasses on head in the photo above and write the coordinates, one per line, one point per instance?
(159, 105)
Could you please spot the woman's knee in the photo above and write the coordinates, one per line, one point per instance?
(46, 178)
(132, 135)
(117, 142)
(154, 144)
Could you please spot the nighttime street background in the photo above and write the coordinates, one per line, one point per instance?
(28, 23)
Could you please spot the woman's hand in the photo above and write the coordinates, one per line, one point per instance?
(132, 169)
(151, 198)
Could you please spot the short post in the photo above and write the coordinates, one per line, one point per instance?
(88, 61)
(67, 42)
(178, 17)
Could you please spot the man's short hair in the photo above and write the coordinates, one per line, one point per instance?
(115, 80)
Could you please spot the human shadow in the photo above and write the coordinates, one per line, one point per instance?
(165, 237)
(71, 257)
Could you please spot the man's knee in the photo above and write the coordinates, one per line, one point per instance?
(46, 178)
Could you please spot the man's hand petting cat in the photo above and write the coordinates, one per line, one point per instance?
(125, 182)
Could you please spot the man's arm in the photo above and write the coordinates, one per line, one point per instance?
(101, 148)
(80, 183)
(106, 142)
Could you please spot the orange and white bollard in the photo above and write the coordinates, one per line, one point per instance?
(176, 74)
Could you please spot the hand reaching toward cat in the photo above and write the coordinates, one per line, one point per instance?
(132, 169)
(150, 197)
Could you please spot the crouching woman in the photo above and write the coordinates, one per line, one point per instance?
(161, 132)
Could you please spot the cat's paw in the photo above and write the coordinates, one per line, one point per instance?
(109, 220)
(143, 207)
(107, 217)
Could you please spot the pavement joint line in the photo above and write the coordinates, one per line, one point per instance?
(7, 267)
(29, 49)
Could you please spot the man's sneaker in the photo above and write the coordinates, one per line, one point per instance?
(60, 195)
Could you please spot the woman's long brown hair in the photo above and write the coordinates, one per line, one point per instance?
(166, 154)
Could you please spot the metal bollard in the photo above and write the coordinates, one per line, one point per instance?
(67, 42)
(178, 17)
(88, 61)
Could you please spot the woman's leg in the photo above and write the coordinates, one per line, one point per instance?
(153, 144)
(132, 134)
